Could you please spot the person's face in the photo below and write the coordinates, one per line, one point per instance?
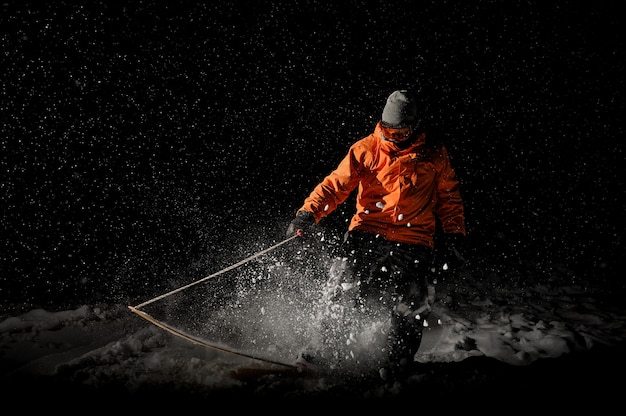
(397, 135)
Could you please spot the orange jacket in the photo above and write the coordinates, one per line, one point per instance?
(401, 192)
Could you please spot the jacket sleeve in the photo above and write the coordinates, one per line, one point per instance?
(450, 209)
(335, 188)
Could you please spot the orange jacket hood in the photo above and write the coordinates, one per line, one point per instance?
(401, 192)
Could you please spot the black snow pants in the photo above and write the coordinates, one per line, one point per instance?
(378, 277)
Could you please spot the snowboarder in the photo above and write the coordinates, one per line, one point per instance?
(407, 189)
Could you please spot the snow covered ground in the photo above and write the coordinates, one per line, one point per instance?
(487, 339)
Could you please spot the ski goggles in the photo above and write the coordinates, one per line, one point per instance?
(396, 133)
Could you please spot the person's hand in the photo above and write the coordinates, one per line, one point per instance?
(303, 221)
(456, 249)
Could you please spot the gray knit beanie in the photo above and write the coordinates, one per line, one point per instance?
(400, 110)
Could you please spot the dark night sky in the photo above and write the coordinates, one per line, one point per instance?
(159, 139)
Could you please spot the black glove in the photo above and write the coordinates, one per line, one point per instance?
(456, 249)
(303, 221)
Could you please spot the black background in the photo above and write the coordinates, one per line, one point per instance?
(147, 141)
